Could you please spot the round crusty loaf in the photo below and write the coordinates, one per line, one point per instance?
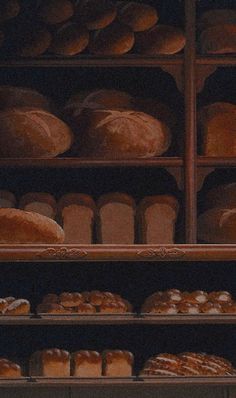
(116, 39)
(28, 132)
(97, 14)
(217, 225)
(9, 9)
(123, 134)
(220, 39)
(70, 39)
(55, 11)
(138, 16)
(156, 109)
(15, 97)
(19, 226)
(161, 39)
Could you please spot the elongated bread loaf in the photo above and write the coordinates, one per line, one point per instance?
(220, 39)
(138, 16)
(70, 39)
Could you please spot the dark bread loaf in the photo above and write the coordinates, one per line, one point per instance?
(39, 202)
(217, 17)
(28, 132)
(17, 97)
(161, 39)
(9, 9)
(70, 39)
(96, 14)
(32, 41)
(217, 225)
(220, 39)
(138, 16)
(115, 39)
(55, 11)
(19, 226)
(123, 134)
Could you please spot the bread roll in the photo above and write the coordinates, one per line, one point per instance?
(70, 39)
(156, 219)
(222, 196)
(221, 297)
(9, 9)
(211, 308)
(97, 14)
(86, 364)
(28, 132)
(196, 297)
(55, 11)
(161, 39)
(7, 199)
(115, 223)
(51, 308)
(217, 17)
(77, 213)
(33, 41)
(138, 16)
(19, 226)
(9, 369)
(70, 299)
(50, 363)
(16, 97)
(116, 39)
(217, 225)
(117, 363)
(220, 39)
(39, 202)
(86, 308)
(18, 307)
(123, 134)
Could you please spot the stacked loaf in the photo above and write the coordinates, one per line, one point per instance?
(217, 224)
(187, 364)
(174, 301)
(218, 31)
(84, 303)
(103, 27)
(217, 125)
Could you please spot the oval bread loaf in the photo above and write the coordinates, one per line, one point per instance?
(70, 39)
(56, 11)
(28, 132)
(138, 16)
(217, 225)
(97, 14)
(14, 97)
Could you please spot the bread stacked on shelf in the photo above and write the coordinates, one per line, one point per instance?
(174, 301)
(218, 31)
(12, 306)
(84, 303)
(187, 364)
(217, 124)
(217, 224)
(9, 369)
(68, 28)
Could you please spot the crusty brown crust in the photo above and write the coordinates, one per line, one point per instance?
(38, 197)
(97, 15)
(138, 16)
(70, 39)
(14, 97)
(56, 11)
(18, 307)
(220, 39)
(86, 308)
(9, 369)
(19, 226)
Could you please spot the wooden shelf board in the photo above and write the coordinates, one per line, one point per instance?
(219, 60)
(205, 161)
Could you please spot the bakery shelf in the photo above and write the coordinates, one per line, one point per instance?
(205, 161)
(220, 60)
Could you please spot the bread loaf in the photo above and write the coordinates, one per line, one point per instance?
(217, 17)
(223, 196)
(97, 14)
(117, 363)
(17, 97)
(86, 364)
(123, 134)
(55, 11)
(39, 202)
(7, 199)
(221, 297)
(220, 39)
(217, 225)
(161, 39)
(50, 363)
(9, 369)
(78, 214)
(17, 307)
(51, 308)
(28, 132)
(70, 39)
(33, 41)
(115, 225)
(115, 39)
(70, 299)
(9, 9)
(138, 16)
(86, 308)
(156, 109)
(19, 226)
(156, 219)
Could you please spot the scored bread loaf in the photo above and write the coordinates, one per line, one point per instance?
(123, 134)
(161, 39)
(7, 199)
(115, 39)
(55, 11)
(217, 17)
(19, 226)
(86, 364)
(17, 97)
(9, 369)
(217, 225)
(52, 362)
(223, 196)
(77, 212)
(39, 202)
(220, 39)
(138, 16)
(29, 132)
(156, 219)
(117, 363)
(70, 39)
(9, 9)
(96, 14)
(17, 307)
(116, 219)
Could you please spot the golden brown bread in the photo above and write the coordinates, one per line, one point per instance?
(70, 299)
(217, 17)
(161, 39)
(33, 41)
(17, 307)
(19, 226)
(39, 202)
(117, 363)
(220, 39)
(220, 297)
(28, 132)
(70, 39)
(17, 97)
(217, 225)
(51, 308)
(52, 362)
(96, 14)
(9, 369)
(3, 304)
(115, 39)
(138, 16)
(86, 364)
(86, 308)
(9, 9)
(55, 11)
(7, 199)
(211, 308)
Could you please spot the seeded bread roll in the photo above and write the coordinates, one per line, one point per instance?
(97, 14)
(9, 369)
(117, 363)
(33, 41)
(7, 199)
(19, 226)
(70, 39)
(116, 39)
(28, 132)
(161, 39)
(55, 11)
(50, 363)
(138, 16)
(86, 364)
(220, 39)
(39, 202)
(9, 9)
(17, 97)
(18, 307)
(217, 226)
(156, 219)
(123, 134)
(116, 215)
(217, 17)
